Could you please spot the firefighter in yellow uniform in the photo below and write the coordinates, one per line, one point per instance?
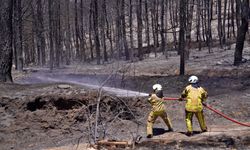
(195, 96)
(158, 110)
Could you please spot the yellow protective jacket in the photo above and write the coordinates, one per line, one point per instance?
(156, 103)
(194, 98)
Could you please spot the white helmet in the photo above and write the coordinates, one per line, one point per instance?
(157, 87)
(193, 79)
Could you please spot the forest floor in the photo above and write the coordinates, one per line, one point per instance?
(56, 110)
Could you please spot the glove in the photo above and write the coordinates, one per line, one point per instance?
(180, 99)
(204, 103)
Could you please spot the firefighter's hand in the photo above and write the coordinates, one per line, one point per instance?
(204, 103)
(180, 99)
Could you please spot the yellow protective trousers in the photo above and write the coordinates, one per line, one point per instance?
(199, 115)
(153, 116)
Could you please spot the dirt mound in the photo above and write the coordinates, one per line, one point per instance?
(46, 120)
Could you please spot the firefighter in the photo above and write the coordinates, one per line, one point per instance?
(158, 109)
(195, 96)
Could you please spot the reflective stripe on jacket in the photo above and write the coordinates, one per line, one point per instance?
(156, 102)
(194, 98)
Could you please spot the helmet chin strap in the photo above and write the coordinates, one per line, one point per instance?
(159, 93)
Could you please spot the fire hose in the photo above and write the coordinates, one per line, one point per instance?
(214, 110)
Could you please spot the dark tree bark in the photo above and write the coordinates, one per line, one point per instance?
(40, 34)
(123, 25)
(82, 34)
(163, 42)
(232, 17)
(78, 55)
(119, 42)
(147, 23)
(182, 36)
(208, 31)
(103, 35)
(241, 33)
(58, 37)
(220, 23)
(96, 31)
(139, 28)
(6, 34)
(131, 29)
(198, 33)
(238, 14)
(68, 35)
(91, 29)
(224, 23)
(51, 43)
(18, 35)
(166, 21)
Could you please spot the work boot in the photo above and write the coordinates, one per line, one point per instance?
(205, 130)
(149, 136)
(189, 133)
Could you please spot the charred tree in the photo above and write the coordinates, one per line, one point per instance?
(96, 31)
(182, 32)
(91, 29)
(147, 23)
(68, 35)
(241, 33)
(220, 34)
(51, 43)
(103, 33)
(6, 34)
(82, 34)
(139, 28)
(131, 24)
(163, 41)
(78, 55)
(40, 34)
(18, 35)
(123, 28)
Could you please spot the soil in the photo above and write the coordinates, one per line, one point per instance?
(57, 110)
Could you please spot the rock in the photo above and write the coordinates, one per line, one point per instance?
(64, 86)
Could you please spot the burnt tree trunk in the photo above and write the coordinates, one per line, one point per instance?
(6, 34)
(147, 23)
(78, 54)
(241, 33)
(103, 35)
(40, 34)
(91, 29)
(163, 42)
(96, 31)
(68, 35)
(51, 43)
(182, 36)
(82, 34)
(139, 28)
(123, 25)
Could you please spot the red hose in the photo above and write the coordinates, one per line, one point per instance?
(223, 115)
(214, 110)
(170, 98)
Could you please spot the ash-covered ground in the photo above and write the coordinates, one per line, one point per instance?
(57, 110)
